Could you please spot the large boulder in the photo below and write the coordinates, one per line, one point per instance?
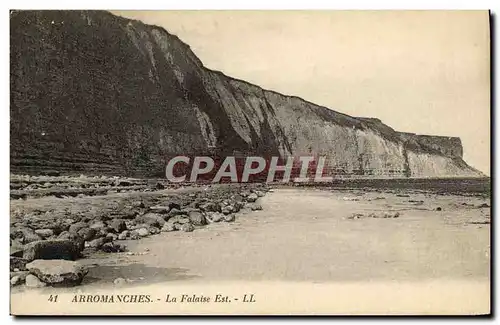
(52, 249)
(197, 218)
(57, 272)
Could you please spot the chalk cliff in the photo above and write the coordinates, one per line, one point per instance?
(96, 93)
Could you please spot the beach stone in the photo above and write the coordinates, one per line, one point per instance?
(75, 227)
(255, 206)
(217, 217)
(77, 240)
(18, 277)
(111, 248)
(167, 227)
(52, 249)
(98, 225)
(117, 225)
(123, 235)
(138, 204)
(33, 282)
(44, 233)
(162, 209)
(227, 209)
(98, 242)
(27, 235)
(187, 227)
(111, 236)
(229, 217)
(197, 218)
(179, 219)
(209, 207)
(174, 212)
(17, 263)
(259, 193)
(252, 197)
(87, 233)
(154, 230)
(174, 205)
(134, 235)
(119, 281)
(57, 272)
(151, 219)
(142, 232)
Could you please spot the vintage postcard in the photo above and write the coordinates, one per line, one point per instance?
(250, 162)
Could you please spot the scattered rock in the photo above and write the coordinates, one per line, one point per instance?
(75, 238)
(112, 248)
(154, 230)
(173, 205)
(57, 272)
(142, 232)
(255, 206)
(44, 233)
(87, 233)
(75, 227)
(162, 209)
(111, 237)
(229, 218)
(25, 234)
(259, 193)
(179, 219)
(98, 225)
(118, 225)
(227, 209)
(484, 205)
(119, 281)
(52, 249)
(33, 282)
(167, 227)
(252, 197)
(197, 218)
(439, 209)
(17, 263)
(209, 207)
(187, 227)
(123, 235)
(151, 219)
(98, 242)
(217, 217)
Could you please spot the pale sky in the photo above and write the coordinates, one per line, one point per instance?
(425, 72)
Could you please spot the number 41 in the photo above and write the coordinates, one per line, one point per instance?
(53, 298)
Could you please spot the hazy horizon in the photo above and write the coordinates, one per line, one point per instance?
(398, 66)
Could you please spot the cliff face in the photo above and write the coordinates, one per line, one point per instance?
(97, 93)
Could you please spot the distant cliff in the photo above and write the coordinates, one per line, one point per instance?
(96, 93)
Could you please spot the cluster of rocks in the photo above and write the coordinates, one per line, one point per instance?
(61, 238)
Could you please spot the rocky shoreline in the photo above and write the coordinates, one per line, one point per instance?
(50, 229)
